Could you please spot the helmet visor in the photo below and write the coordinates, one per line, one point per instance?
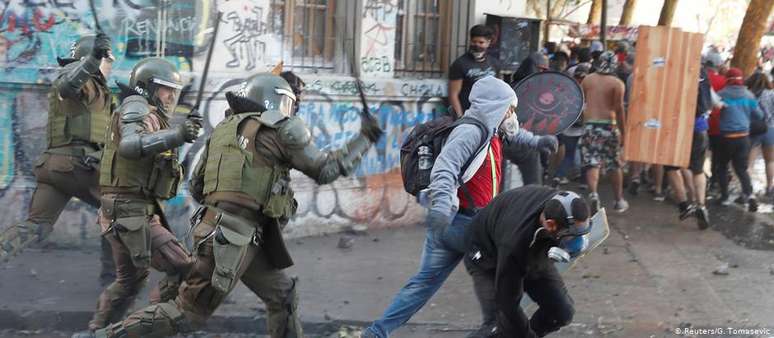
(287, 101)
(167, 94)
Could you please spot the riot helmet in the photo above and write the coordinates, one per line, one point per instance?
(82, 48)
(263, 92)
(158, 81)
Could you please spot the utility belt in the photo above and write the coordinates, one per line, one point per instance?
(75, 149)
(234, 231)
(130, 223)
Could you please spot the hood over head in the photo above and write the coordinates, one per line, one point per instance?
(490, 98)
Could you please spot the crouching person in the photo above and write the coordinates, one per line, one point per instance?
(513, 242)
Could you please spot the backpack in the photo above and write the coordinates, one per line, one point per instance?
(422, 146)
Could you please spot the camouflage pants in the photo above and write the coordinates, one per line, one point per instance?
(166, 255)
(198, 298)
(59, 179)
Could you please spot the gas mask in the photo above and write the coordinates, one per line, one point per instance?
(573, 239)
(477, 52)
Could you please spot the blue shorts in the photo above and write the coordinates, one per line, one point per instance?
(766, 139)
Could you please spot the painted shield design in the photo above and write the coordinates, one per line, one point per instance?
(549, 102)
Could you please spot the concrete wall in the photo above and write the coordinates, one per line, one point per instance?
(34, 33)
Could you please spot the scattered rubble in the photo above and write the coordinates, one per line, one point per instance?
(346, 242)
(722, 270)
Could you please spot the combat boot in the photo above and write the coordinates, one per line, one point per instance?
(17, 237)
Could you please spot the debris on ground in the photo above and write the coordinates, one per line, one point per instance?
(346, 242)
(722, 270)
(347, 332)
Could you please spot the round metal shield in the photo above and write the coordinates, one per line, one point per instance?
(549, 102)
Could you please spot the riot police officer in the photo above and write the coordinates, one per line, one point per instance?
(243, 182)
(79, 109)
(139, 168)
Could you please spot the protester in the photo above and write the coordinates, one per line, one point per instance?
(692, 179)
(527, 159)
(763, 89)
(601, 144)
(470, 67)
(568, 139)
(453, 206)
(739, 109)
(509, 256)
(584, 58)
(712, 62)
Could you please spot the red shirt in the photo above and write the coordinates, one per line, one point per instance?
(485, 183)
(718, 82)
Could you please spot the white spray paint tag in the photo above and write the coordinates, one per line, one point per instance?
(652, 124)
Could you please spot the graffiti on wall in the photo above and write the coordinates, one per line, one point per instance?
(249, 34)
(377, 51)
(34, 33)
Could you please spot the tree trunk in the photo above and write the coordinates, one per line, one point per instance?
(749, 40)
(595, 13)
(667, 13)
(628, 11)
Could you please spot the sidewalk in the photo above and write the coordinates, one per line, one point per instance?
(651, 276)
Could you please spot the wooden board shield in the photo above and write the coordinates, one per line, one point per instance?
(662, 104)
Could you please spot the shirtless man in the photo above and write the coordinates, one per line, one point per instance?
(602, 140)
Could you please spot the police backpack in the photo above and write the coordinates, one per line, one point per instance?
(422, 146)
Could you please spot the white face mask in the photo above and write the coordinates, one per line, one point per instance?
(510, 125)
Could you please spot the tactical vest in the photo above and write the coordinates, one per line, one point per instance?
(72, 120)
(232, 168)
(153, 176)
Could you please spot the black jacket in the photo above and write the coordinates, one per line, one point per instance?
(501, 234)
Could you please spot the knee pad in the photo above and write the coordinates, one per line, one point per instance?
(288, 324)
(160, 320)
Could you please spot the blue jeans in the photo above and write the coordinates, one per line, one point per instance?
(568, 162)
(441, 254)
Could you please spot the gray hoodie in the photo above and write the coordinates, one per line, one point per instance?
(489, 100)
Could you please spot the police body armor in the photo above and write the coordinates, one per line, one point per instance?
(78, 120)
(140, 183)
(153, 177)
(235, 172)
(235, 167)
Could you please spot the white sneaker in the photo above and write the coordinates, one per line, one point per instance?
(621, 205)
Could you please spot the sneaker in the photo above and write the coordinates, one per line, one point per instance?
(583, 186)
(659, 196)
(563, 180)
(555, 182)
(702, 218)
(741, 200)
(621, 205)
(687, 212)
(594, 203)
(724, 200)
(752, 204)
(634, 186)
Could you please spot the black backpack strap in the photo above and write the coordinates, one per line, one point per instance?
(483, 143)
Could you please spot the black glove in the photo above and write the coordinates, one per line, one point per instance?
(190, 130)
(548, 144)
(370, 129)
(437, 222)
(101, 47)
